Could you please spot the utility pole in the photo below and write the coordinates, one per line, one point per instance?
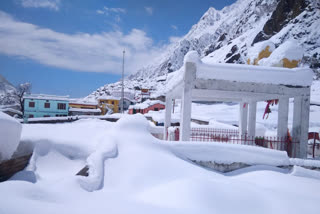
(122, 89)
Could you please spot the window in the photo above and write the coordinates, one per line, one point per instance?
(156, 109)
(46, 115)
(112, 102)
(31, 104)
(30, 116)
(46, 105)
(62, 106)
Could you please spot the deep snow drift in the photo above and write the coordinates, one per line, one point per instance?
(133, 172)
(10, 131)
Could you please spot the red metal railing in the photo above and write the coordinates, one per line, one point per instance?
(315, 146)
(233, 137)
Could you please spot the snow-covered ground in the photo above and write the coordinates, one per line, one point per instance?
(315, 93)
(137, 173)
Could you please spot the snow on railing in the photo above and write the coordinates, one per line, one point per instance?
(233, 137)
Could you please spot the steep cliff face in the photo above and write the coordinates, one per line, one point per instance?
(228, 35)
(286, 11)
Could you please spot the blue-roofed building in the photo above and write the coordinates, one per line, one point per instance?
(41, 105)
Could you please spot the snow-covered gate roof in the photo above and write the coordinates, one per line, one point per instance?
(233, 82)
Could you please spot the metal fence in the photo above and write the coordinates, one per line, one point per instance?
(233, 137)
(314, 144)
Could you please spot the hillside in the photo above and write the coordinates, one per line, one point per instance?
(230, 35)
(6, 89)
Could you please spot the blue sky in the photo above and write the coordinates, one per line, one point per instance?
(72, 47)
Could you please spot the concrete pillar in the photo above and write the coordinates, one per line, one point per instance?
(296, 124)
(283, 113)
(243, 118)
(305, 114)
(188, 85)
(167, 119)
(252, 119)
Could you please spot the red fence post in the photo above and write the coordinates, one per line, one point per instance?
(176, 134)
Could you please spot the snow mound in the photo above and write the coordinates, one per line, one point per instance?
(228, 153)
(95, 163)
(136, 123)
(256, 74)
(303, 172)
(305, 162)
(107, 147)
(10, 132)
(146, 175)
(192, 56)
(288, 50)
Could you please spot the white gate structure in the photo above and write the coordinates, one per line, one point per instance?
(246, 84)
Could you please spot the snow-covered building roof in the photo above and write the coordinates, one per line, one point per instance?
(81, 102)
(85, 110)
(105, 97)
(146, 104)
(46, 97)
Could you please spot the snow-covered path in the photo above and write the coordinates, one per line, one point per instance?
(141, 175)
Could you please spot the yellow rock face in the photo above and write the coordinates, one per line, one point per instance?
(290, 64)
(263, 54)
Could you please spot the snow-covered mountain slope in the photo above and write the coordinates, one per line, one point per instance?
(6, 89)
(228, 35)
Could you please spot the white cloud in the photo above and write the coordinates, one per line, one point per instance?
(174, 39)
(80, 52)
(174, 27)
(149, 10)
(51, 4)
(117, 18)
(108, 10)
(100, 12)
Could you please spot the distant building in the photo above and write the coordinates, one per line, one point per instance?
(78, 107)
(108, 104)
(127, 94)
(127, 103)
(41, 105)
(145, 94)
(146, 106)
(128, 99)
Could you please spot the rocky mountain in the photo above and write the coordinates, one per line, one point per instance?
(6, 89)
(230, 34)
